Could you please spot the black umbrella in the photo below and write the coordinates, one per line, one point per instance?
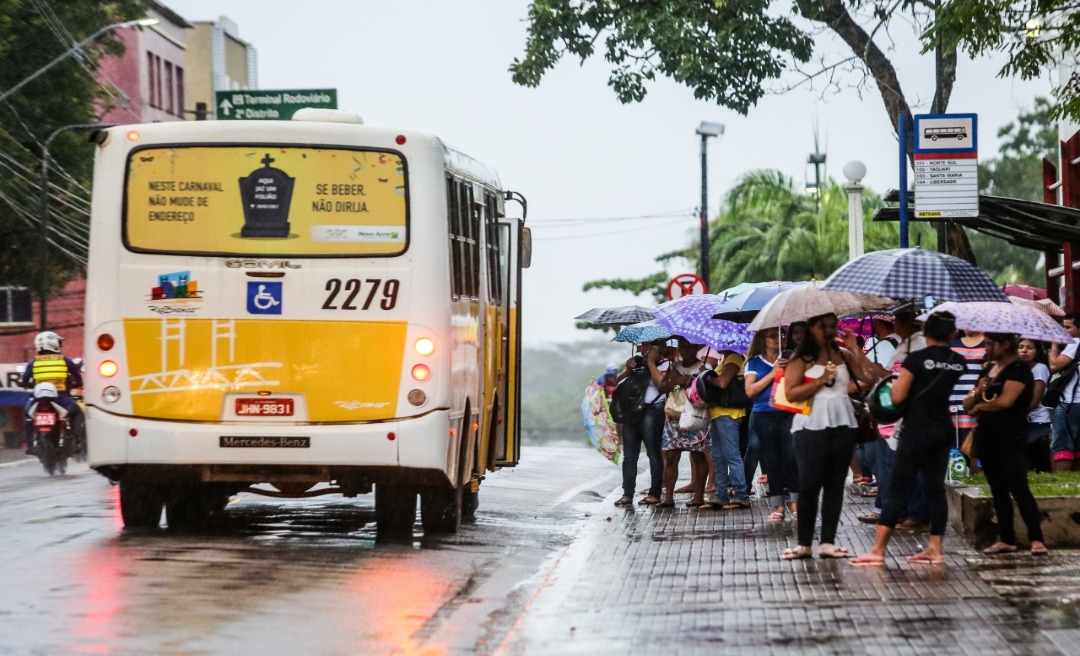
(915, 273)
(621, 315)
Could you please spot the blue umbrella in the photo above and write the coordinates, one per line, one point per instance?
(743, 307)
(639, 333)
(691, 317)
(740, 288)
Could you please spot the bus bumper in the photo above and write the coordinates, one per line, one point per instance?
(406, 449)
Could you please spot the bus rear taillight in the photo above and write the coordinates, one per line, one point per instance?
(107, 368)
(105, 342)
(421, 372)
(424, 346)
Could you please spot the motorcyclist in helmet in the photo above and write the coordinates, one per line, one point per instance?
(51, 366)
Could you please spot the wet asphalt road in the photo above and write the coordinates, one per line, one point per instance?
(282, 576)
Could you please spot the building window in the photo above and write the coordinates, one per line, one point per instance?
(170, 90)
(180, 91)
(153, 79)
(157, 74)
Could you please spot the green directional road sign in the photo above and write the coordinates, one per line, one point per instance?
(270, 105)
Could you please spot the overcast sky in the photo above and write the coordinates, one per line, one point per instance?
(569, 146)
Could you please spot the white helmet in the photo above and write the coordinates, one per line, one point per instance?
(45, 391)
(48, 341)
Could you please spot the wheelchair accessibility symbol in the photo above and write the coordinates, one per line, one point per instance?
(264, 298)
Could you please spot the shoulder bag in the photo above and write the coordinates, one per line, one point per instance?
(867, 430)
(1058, 382)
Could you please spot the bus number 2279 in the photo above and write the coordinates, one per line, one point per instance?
(351, 289)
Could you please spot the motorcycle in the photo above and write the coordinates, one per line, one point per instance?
(51, 429)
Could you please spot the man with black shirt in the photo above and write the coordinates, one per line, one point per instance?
(926, 379)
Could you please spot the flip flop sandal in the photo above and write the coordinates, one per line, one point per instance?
(711, 505)
(624, 501)
(999, 548)
(666, 504)
(797, 553)
(863, 561)
(695, 504)
(833, 552)
(648, 501)
(923, 559)
(1040, 551)
(776, 517)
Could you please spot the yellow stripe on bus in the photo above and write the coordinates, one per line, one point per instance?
(183, 368)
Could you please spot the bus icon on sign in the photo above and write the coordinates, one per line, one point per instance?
(956, 132)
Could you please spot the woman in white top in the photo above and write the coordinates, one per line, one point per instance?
(1032, 353)
(819, 372)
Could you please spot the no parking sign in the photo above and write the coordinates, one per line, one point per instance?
(685, 284)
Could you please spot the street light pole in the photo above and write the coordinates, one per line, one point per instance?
(72, 50)
(705, 130)
(43, 224)
(855, 172)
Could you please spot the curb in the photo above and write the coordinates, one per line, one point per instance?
(16, 463)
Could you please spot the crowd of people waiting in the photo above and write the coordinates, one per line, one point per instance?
(797, 423)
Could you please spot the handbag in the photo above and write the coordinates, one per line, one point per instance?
(676, 400)
(778, 397)
(1056, 387)
(867, 430)
(967, 447)
(693, 418)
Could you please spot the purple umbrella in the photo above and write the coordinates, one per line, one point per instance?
(691, 317)
(992, 317)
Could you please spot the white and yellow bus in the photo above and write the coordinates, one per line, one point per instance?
(298, 308)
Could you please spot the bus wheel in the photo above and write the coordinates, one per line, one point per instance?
(395, 507)
(441, 508)
(140, 504)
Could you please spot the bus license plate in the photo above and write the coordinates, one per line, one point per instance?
(264, 407)
(44, 419)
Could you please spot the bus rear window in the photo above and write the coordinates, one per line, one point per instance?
(265, 200)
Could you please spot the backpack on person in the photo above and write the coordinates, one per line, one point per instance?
(628, 399)
(1058, 382)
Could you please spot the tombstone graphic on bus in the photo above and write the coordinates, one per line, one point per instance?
(266, 194)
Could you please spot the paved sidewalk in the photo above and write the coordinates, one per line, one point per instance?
(686, 581)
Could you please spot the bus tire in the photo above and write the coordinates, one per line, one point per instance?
(395, 507)
(441, 508)
(140, 504)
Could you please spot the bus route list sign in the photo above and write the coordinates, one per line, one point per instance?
(267, 105)
(946, 166)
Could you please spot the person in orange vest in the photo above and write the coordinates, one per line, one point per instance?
(51, 366)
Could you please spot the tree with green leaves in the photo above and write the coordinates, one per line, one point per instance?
(32, 34)
(1035, 35)
(735, 52)
(769, 229)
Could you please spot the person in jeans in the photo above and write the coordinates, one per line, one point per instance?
(999, 402)
(1065, 442)
(926, 380)
(728, 468)
(824, 439)
(770, 427)
(647, 430)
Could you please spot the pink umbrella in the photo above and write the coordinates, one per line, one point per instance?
(1025, 291)
(1045, 305)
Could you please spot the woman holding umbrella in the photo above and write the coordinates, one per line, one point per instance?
(819, 372)
(1000, 403)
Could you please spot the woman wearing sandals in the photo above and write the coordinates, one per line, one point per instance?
(676, 440)
(926, 380)
(1000, 403)
(819, 372)
(771, 425)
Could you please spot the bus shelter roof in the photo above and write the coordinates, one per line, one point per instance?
(1031, 224)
